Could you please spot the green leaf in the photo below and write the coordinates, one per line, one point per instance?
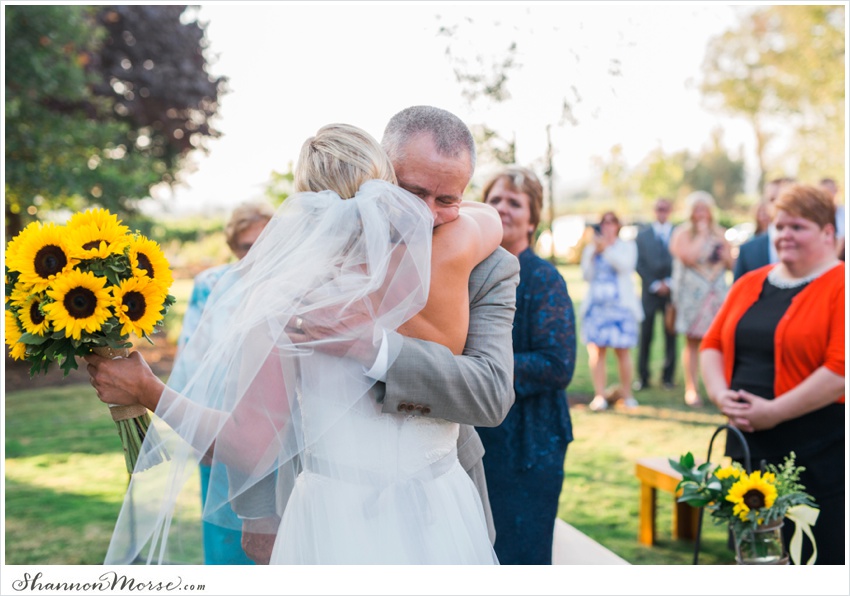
(31, 339)
(57, 347)
(68, 365)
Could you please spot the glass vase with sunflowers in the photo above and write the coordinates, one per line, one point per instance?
(753, 505)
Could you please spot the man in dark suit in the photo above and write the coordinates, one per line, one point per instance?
(759, 251)
(752, 254)
(654, 266)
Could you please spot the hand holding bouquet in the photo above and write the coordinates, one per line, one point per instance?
(85, 287)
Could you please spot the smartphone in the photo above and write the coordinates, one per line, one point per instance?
(715, 253)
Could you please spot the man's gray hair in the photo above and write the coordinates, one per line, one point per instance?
(451, 136)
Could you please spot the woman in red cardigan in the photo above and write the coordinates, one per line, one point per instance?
(773, 359)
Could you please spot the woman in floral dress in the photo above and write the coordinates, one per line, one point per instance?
(611, 311)
(701, 257)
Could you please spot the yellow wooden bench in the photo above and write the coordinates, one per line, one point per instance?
(656, 474)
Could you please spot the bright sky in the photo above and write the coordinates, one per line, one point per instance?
(294, 67)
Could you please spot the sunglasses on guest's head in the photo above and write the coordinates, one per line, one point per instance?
(610, 220)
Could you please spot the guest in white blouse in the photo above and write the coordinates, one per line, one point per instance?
(611, 310)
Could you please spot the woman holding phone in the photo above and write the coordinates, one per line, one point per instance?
(611, 312)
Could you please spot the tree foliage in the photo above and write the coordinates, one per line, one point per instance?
(102, 102)
(660, 175)
(712, 169)
(783, 69)
(616, 178)
(716, 172)
(483, 80)
(280, 186)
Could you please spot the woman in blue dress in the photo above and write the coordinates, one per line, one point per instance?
(524, 456)
(223, 546)
(611, 312)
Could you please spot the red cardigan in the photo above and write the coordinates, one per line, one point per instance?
(809, 335)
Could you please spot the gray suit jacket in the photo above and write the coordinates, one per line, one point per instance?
(475, 389)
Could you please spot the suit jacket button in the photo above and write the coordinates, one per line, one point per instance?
(410, 407)
(402, 407)
(426, 410)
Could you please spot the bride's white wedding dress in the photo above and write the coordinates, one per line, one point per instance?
(294, 428)
(408, 501)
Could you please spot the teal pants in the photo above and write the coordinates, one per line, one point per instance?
(222, 545)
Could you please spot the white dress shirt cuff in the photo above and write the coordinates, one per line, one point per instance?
(379, 368)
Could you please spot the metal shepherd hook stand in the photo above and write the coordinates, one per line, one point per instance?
(747, 464)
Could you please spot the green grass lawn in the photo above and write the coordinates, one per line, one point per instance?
(65, 476)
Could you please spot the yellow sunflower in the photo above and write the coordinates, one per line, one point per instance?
(12, 333)
(32, 318)
(89, 241)
(728, 472)
(81, 303)
(147, 260)
(751, 492)
(138, 302)
(20, 293)
(39, 253)
(13, 286)
(100, 218)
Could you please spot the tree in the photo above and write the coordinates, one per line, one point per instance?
(617, 178)
(660, 175)
(280, 186)
(484, 84)
(486, 79)
(715, 172)
(783, 68)
(102, 102)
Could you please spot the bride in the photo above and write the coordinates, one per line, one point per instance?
(274, 388)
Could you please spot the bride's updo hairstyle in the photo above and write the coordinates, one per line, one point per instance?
(341, 158)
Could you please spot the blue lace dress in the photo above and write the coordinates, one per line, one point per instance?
(524, 456)
(607, 321)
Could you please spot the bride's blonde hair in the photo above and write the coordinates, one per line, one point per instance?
(341, 157)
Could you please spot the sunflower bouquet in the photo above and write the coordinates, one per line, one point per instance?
(84, 287)
(747, 502)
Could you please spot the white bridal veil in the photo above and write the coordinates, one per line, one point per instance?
(242, 390)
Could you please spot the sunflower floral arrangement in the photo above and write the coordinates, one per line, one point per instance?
(746, 502)
(85, 287)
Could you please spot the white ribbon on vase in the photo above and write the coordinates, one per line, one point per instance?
(804, 517)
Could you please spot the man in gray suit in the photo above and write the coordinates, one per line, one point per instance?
(655, 266)
(433, 154)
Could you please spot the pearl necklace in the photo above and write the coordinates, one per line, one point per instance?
(785, 283)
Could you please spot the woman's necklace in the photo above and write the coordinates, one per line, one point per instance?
(778, 280)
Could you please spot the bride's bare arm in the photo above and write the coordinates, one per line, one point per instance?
(253, 424)
(457, 248)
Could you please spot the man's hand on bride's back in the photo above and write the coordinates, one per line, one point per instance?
(124, 381)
